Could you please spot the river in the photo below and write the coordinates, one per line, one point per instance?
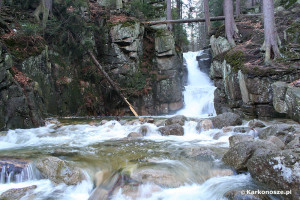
(185, 167)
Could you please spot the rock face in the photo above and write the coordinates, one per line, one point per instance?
(20, 102)
(204, 61)
(59, 171)
(253, 93)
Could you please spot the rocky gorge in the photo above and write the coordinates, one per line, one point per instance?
(149, 157)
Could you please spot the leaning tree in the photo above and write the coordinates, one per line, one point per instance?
(230, 26)
(271, 37)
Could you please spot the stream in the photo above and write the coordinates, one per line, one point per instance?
(185, 167)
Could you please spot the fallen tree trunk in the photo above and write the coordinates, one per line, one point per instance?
(112, 83)
(177, 21)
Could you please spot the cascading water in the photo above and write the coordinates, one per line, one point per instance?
(199, 92)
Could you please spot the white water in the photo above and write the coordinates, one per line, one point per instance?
(199, 92)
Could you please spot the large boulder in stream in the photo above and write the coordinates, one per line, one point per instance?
(226, 119)
(279, 170)
(178, 119)
(59, 171)
(18, 193)
(239, 154)
(174, 129)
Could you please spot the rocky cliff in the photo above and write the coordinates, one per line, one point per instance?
(244, 84)
(142, 60)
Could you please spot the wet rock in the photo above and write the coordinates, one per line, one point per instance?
(275, 140)
(174, 129)
(160, 177)
(255, 123)
(134, 191)
(204, 61)
(200, 153)
(204, 125)
(227, 129)
(59, 171)
(135, 135)
(235, 139)
(101, 176)
(149, 120)
(220, 172)
(144, 130)
(103, 122)
(178, 119)
(18, 193)
(238, 155)
(278, 170)
(134, 122)
(282, 131)
(242, 129)
(226, 119)
(218, 135)
(160, 122)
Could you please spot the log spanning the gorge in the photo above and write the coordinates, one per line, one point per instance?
(112, 83)
(178, 21)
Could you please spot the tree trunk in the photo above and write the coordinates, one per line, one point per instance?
(111, 82)
(206, 14)
(230, 26)
(271, 38)
(169, 13)
(237, 8)
(45, 7)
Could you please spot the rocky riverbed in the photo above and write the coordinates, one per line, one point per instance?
(151, 158)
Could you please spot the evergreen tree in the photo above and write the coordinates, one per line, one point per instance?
(206, 14)
(230, 26)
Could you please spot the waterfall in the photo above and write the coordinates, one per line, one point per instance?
(199, 92)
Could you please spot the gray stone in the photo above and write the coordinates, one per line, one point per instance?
(279, 91)
(279, 170)
(275, 140)
(255, 123)
(282, 131)
(242, 129)
(135, 135)
(219, 45)
(178, 119)
(59, 171)
(204, 61)
(164, 44)
(174, 129)
(226, 119)
(235, 139)
(292, 100)
(243, 87)
(125, 34)
(17, 193)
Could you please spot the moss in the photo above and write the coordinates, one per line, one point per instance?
(293, 32)
(287, 3)
(235, 59)
(160, 33)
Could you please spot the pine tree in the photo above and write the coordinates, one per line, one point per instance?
(169, 13)
(271, 38)
(206, 14)
(230, 26)
(237, 8)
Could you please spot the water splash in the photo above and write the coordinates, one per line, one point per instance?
(199, 93)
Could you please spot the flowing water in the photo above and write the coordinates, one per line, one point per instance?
(157, 167)
(199, 92)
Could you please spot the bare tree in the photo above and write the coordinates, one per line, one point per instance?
(206, 15)
(271, 37)
(230, 26)
(45, 7)
(237, 8)
(169, 13)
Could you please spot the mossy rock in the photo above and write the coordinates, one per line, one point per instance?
(235, 59)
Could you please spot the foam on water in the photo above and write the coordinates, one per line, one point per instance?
(199, 92)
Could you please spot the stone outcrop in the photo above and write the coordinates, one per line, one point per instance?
(59, 171)
(20, 101)
(249, 92)
(204, 59)
(18, 193)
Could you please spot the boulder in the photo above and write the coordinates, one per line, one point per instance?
(199, 153)
(240, 195)
(204, 125)
(59, 171)
(239, 154)
(282, 131)
(174, 129)
(235, 139)
(178, 119)
(219, 45)
(275, 140)
(255, 123)
(204, 60)
(143, 130)
(294, 144)
(279, 90)
(227, 129)
(226, 119)
(160, 177)
(279, 170)
(243, 129)
(135, 135)
(292, 99)
(17, 193)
